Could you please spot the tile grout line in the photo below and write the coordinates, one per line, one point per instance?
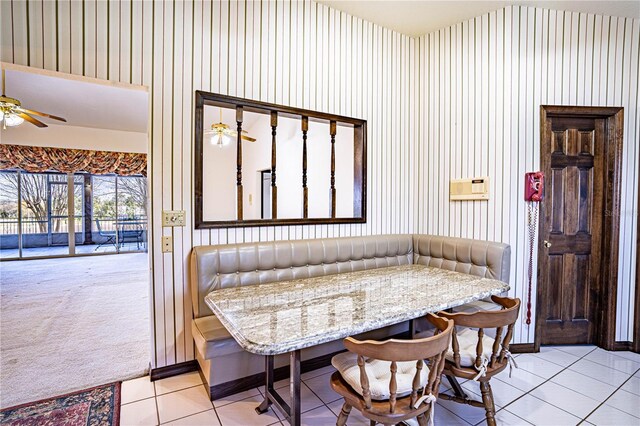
(593, 378)
(155, 394)
(215, 411)
(318, 396)
(155, 398)
(548, 380)
(497, 411)
(568, 368)
(613, 354)
(211, 403)
(442, 407)
(175, 391)
(189, 415)
(137, 400)
(503, 408)
(180, 390)
(609, 397)
(605, 366)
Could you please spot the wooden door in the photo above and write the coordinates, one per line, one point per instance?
(581, 157)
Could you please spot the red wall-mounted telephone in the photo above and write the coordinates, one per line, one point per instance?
(533, 192)
(533, 186)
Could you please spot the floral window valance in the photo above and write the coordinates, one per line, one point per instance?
(39, 159)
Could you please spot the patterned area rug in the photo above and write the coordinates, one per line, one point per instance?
(90, 407)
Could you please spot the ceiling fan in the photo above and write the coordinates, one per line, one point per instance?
(12, 113)
(221, 133)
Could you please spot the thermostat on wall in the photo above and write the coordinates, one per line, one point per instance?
(469, 189)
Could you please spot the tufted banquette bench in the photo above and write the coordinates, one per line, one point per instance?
(228, 369)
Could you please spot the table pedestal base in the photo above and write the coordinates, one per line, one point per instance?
(292, 413)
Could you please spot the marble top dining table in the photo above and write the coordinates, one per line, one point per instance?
(285, 316)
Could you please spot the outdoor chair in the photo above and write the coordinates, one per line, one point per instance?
(109, 235)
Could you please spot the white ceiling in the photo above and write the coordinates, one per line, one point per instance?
(420, 17)
(82, 103)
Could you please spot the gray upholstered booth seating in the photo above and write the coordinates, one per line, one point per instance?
(227, 368)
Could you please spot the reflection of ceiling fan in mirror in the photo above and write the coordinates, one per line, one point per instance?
(12, 113)
(221, 134)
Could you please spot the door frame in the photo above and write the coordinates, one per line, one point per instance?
(604, 320)
(635, 346)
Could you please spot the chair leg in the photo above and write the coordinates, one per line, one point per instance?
(489, 406)
(344, 415)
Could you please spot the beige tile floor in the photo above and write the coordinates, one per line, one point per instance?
(564, 385)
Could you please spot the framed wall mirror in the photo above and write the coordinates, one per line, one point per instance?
(260, 164)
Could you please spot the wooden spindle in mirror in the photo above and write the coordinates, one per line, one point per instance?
(305, 190)
(332, 131)
(274, 188)
(239, 163)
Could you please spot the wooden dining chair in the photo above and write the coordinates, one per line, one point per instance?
(477, 356)
(383, 380)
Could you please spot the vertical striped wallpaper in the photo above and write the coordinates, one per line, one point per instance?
(475, 86)
(481, 84)
(296, 53)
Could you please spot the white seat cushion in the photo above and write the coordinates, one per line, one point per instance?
(478, 305)
(379, 375)
(467, 342)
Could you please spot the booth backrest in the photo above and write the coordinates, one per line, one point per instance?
(475, 257)
(232, 265)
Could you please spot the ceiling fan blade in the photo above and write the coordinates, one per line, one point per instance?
(42, 114)
(248, 138)
(31, 119)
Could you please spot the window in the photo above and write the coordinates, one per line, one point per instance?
(39, 219)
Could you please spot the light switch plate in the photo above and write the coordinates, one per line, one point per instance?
(167, 244)
(173, 218)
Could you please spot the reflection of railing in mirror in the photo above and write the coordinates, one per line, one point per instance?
(274, 186)
(297, 167)
(305, 189)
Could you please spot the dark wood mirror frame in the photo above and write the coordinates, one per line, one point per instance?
(242, 105)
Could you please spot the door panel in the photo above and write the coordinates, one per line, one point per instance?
(554, 309)
(573, 160)
(583, 267)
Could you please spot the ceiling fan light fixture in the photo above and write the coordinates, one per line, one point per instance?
(220, 140)
(13, 120)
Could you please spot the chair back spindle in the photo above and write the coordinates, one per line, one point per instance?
(496, 347)
(416, 382)
(505, 343)
(364, 381)
(393, 387)
(479, 348)
(435, 371)
(456, 348)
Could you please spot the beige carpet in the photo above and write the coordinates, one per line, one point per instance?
(69, 324)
